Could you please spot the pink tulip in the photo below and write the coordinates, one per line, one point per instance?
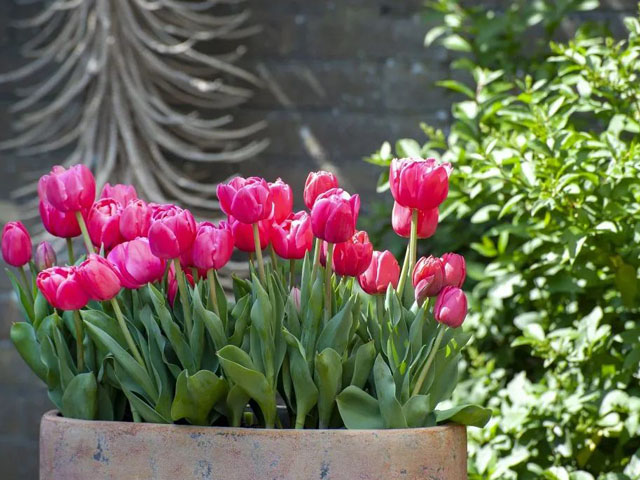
(57, 223)
(455, 269)
(419, 183)
(123, 194)
(172, 284)
(71, 190)
(213, 246)
(401, 221)
(334, 215)
(451, 307)
(351, 258)
(243, 234)
(317, 183)
(99, 278)
(381, 272)
(136, 264)
(282, 197)
(428, 278)
(45, 256)
(248, 200)
(293, 238)
(103, 223)
(62, 288)
(172, 231)
(16, 244)
(135, 220)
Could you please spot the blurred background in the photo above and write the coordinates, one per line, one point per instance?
(333, 81)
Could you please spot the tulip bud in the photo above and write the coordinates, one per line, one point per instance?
(172, 282)
(123, 194)
(334, 215)
(135, 220)
(317, 183)
(351, 258)
(243, 234)
(71, 190)
(16, 244)
(381, 272)
(103, 223)
(293, 238)
(419, 183)
(295, 296)
(99, 278)
(45, 256)
(282, 197)
(401, 221)
(212, 247)
(135, 264)
(57, 223)
(247, 200)
(62, 288)
(455, 269)
(451, 307)
(172, 231)
(428, 278)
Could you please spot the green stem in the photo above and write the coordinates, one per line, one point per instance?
(213, 292)
(327, 282)
(79, 340)
(292, 272)
(404, 274)
(85, 233)
(316, 259)
(380, 309)
(274, 258)
(414, 238)
(430, 359)
(256, 244)
(126, 332)
(184, 297)
(72, 257)
(195, 274)
(27, 285)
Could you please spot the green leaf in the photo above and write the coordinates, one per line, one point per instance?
(25, 301)
(336, 332)
(196, 396)
(457, 87)
(417, 410)
(328, 378)
(80, 398)
(470, 415)
(24, 338)
(390, 407)
(359, 410)
(365, 356)
(305, 390)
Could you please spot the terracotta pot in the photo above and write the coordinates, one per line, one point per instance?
(78, 450)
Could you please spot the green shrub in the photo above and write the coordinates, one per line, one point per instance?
(549, 179)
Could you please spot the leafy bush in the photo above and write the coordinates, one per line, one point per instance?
(550, 182)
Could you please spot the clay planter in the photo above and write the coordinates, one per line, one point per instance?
(79, 450)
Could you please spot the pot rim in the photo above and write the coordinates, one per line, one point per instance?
(54, 416)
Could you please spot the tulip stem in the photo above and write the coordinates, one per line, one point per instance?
(213, 291)
(316, 259)
(327, 280)
(405, 270)
(27, 285)
(256, 244)
(195, 274)
(126, 332)
(72, 257)
(79, 340)
(414, 238)
(430, 359)
(380, 309)
(184, 297)
(292, 272)
(274, 259)
(85, 233)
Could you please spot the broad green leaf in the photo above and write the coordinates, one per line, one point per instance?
(24, 338)
(365, 356)
(335, 334)
(470, 415)
(417, 410)
(359, 410)
(390, 407)
(196, 396)
(328, 378)
(80, 398)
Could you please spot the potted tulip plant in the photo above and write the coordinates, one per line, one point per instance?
(329, 360)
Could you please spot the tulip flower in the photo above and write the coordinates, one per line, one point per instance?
(172, 231)
(428, 278)
(419, 184)
(381, 272)
(401, 221)
(99, 278)
(295, 296)
(103, 223)
(455, 269)
(316, 184)
(334, 215)
(57, 223)
(172, 284)
(282, 198)
(243, 238)
(248, 200)
(293, 238)
(16, 244)
(451, 307)
(71, 190)
(45, 256)
(351, 258)
(136, 264)
(123, 194)
(135, 220)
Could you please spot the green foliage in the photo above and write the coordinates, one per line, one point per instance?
(547, 177)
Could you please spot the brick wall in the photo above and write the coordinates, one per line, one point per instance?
(340, 76)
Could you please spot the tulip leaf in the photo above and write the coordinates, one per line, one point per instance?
(197, 338)
(41, 309)
(305, 390)
(365, 356)
(390, 407)
(196, 396)
(241, 313)
(311, 317)
(335, 333)
(262, 324)
(25, 301)
(24, 338)
(417, 412)
(470, 415)
(66, 365)
(328, 378)
(141, 407)
(237, 400)
(80, 398)
(359, 410)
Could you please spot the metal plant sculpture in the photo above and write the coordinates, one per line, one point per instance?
(129, 92)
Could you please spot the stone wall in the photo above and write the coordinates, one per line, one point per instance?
(341, 76)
